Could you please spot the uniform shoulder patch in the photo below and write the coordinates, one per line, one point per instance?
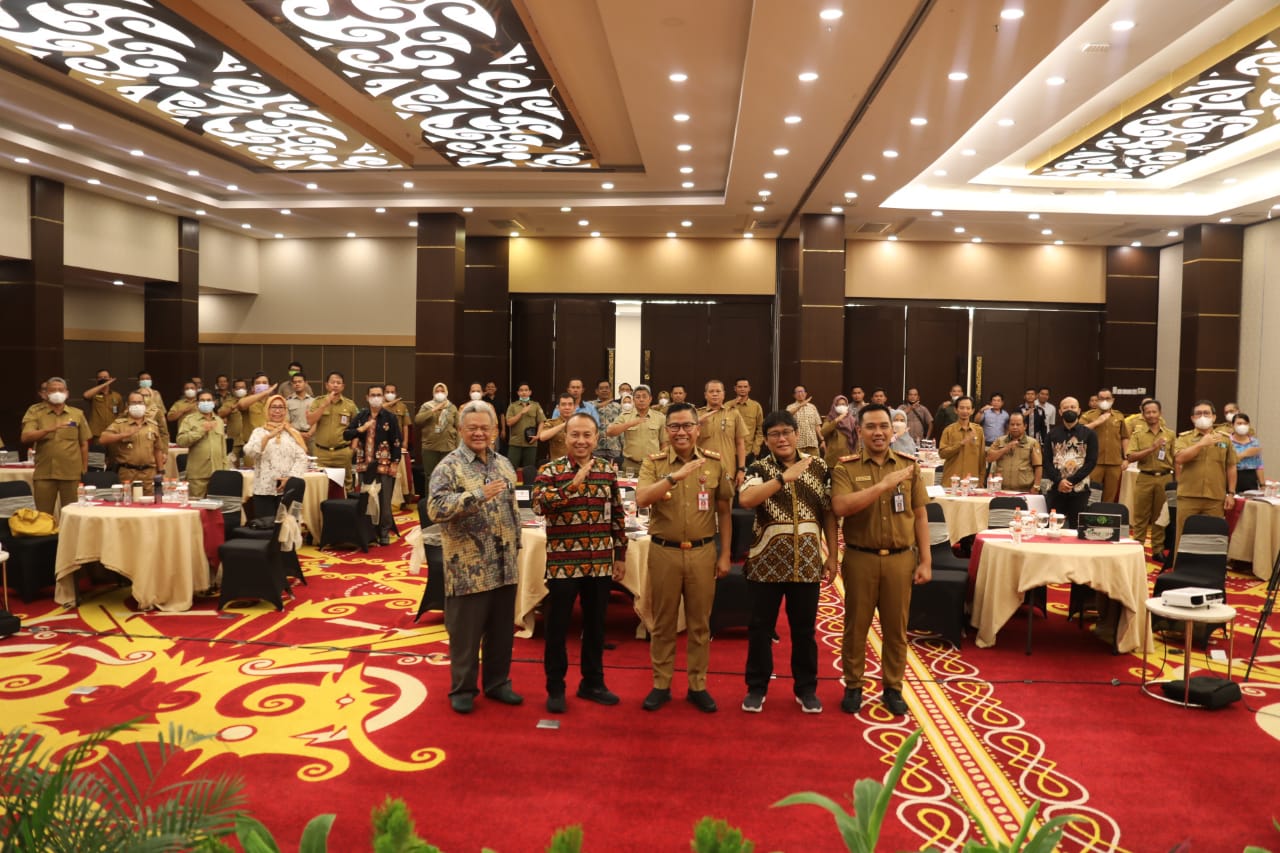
(1188, 432)
(711, 454)
(657, 456)
(852, 457)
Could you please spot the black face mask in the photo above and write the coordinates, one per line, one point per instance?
(1069, 417)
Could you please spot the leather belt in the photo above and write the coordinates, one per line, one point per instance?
(879, 552)
(1157, 473)
(339, 447)
(683, 546)
(136, 467)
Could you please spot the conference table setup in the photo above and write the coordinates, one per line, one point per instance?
(1256, 537)
(969, 514)
(321, 485)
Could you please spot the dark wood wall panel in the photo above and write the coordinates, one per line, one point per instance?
(788, 308)
(938, 347)
(1129, 325)
(440, 292)
(874, 336)
(362, 366)
(486, 323)
(533, 325)
(1212, 264)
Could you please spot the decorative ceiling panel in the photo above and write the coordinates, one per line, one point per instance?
(142, 53)
(1229, 101)
(465, 71)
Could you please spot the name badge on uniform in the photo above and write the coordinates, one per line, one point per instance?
(1160, 455)
(704, 501)
(899, 502)
(342, 419)
(860, 479)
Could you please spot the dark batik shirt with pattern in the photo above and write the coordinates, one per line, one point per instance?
(586, 526)
(788, 525)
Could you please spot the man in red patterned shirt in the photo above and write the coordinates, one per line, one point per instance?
(586, 550)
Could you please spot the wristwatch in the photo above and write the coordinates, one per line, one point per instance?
(781, 482)
(672, 480)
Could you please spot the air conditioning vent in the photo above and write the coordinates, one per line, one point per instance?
(764, 224)
(1095, 47)
(873, 228)
(507, 224)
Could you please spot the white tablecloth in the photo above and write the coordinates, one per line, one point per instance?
(967, 516)
(1256, 538)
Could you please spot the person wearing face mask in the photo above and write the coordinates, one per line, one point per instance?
(374, 434)
(945, 416)
(105, 405)
(663, 401)
(278, 452)
(1016, 457)
(1249, 472)
(254, 404)
(1227, 427)
(839, 430)
(1109, 425)
(60, 435)
(1206, 468)
(961, 445)
(522, 419)
(205, 437)
(642, 428)
(231, 415)
(902, 441)
(136, 445)
(153, 401)
(1071, 452)
(437, 424)
(404, 476)
(184, 405)
(330, 416)
(1152, 448)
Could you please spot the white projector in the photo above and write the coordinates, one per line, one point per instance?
(1192, 596)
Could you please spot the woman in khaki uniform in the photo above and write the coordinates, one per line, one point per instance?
(205, 437)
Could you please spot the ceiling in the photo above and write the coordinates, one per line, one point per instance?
(354, 115)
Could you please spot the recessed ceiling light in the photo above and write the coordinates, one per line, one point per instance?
(607, 185)
(1229, 180)
(313, 186)
(413, 223)
(686, 223)
(1122, 26)
(1057, 242)
(1224, 220)
(867, 176)
(1136, 244)
(792, 119)
(1033, 216)
(681, 116)
(688, 185)
(958, 76)
(765, 193)
(138, 152)
(677, 77)
(1171, 234)
(781, 152)
(595, 233)
(936, 213)
(232, 188)
(1011, 14)
(193, 173)
(152, 198)
(959, 229)
(975, 240)
(808, 76)
(890, 153)
(118, 283)
(245, 225)
(284, 211)
(93, 182)
(671, 233)
(566, 209)
(684, 146)
(686, 170)
(747, 235)
(66, 125)
(407, 185)
(279, 236)
(968, 152)
(22, 160)
(1046, 231)
(835, 208)
(379, 210)
(584, 222)
(201, 212)
(1005, 122)
(351, 234)
(468, 210)
(758, 208)
(849, 194)
(830, 14)
(769, 176)
(919, 121)
(514, 234)
(1055, 81)
(893, 238)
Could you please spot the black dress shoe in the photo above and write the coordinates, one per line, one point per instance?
(852, 701)
(701, 700)
(657, 697)
(384, 539)
(463, 703)
(600, 695)
(505, 695)
(894, 702)
(555, 703)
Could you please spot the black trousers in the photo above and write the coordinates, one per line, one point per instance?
(481, 620)
(1246, 479)
(802, 612)
(1070, 504)
(561, 593)
(386, 524)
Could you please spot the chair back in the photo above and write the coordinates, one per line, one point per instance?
(226, 484)
(15, 489)
(182, 466)
(97, 457)
(528, 474)
(100, 479)
(938, 532)
(1111, 509)
(1001, 510)
(294, 489)
(1205, 535)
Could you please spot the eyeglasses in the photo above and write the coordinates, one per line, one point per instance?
(475, 429)
(780, 433)
(684, 426)
(278, 408)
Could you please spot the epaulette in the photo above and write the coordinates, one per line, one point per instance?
(1188, 432)
(852, 457)
(711, 454)
(657, 456)
(908, 456)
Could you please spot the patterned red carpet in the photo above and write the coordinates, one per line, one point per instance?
(341, 699)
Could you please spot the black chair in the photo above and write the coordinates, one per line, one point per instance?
(1001, 510)
(528, 474)
(1081, 596)
(1171, 531)
(252, 569)
(346, 521)
(1201, 561)
(731, 607)
(743, 521)
(294, 488)
(228, 487)
(938, 606)
(31, 558)
(433, 594)
(100, 479)
(940, 541)
(97, 457)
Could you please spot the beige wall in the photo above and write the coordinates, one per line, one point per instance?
(15, 210)
(1169, 328)
(229, 261)
(103, 313)
(973, 271)
(104, 234)
(634, 266)
(1259, 318)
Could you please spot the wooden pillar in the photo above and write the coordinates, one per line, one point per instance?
(820, 319)
(441, 273)
(788, 319)
(31, 294)
(486, 315)
(1129, 327)
(1210, 347)
(171, 318)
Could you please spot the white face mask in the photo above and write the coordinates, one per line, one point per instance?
(391, 396)
(137, 410)
(1203, 422)
(189, 393)
(662, 401)
(477, 395)
(1242, 429)
(240, 392)
(258, 389)
(439, 397)
(205, 406)
(375, 402)
(626, 407)
(57, 398)
(1104, 405)
(842, 410)
(899, 427)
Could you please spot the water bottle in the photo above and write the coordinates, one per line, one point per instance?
(184, 493)
(126, 496)
(80, 494)
(157, 486)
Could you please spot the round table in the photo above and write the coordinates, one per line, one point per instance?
(317, 493)
(1213, 614)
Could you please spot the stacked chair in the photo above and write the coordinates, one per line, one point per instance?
(253, 563)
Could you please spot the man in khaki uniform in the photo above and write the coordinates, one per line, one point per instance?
(644, 431)
(1151, 446)
(184, 405)
(253, 406)
(752, 415)
(720, 429)
(962, 446)
(1205, 463)
(205, 437)
(329, 416)
(1113, 444)
(551, 432)
(153, 401)
(105, 405)
(231, 415)
(60, 435)
(137, 444)
(689, 493)
(523, 417)
(298, 403)
(437, 423)
(1017, 457)
(886, 533)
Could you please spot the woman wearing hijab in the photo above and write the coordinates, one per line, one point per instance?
(437, 423)
(839, 430)
(278, 452)
(375, 436)
(902, 440)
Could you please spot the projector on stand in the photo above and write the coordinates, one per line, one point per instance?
(1192, 597)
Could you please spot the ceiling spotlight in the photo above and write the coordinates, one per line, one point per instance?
(835, 208)
(958, 76)
(313, 186)
(893, 238)
(681, 116)
(201, 212)
(193, 173)
(152, 198)
(407, 185)
(608, 185)
(118, 283)
(93, 182)
(351, 234)
(1224, 220)
(765, 193)
(1046, 231)
(64, 125)
(1011, 14)
(830, 14)
(584, 222)
(686, 223)
(781, 152)
(1136, 244)
(747, 235)
(919, 121)
(279, 236)
(677, 77)
(245, 225)
(514, 234)
(1171, 234)
(684, 147)
(890, 153)
(1033, 216)
(413, 223)
(968, 152)
(232, 188)
(975, 240)
(137, 152)
(686, 170)
(565, 209)
(1006, 190)
(850, 194)
(284, 211)
(468, 210)
(769, 176)
(959, 229)
(792, 119)
(671, 233)
(22, 160)
(867, 176)
(757, 208)
(1122, 26)
(379, 210)
(936, 213)
(595, 233)
(688, 185)
(808, 76)
(1005, 122)
(1055, 81)
(1057, 242)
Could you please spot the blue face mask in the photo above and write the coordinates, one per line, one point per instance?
(205, 406)
(524, 399)
(144, 383)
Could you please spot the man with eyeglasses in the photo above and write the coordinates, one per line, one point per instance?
(790, 492)
(1206, 469)
(689, 493)
(886, 536)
